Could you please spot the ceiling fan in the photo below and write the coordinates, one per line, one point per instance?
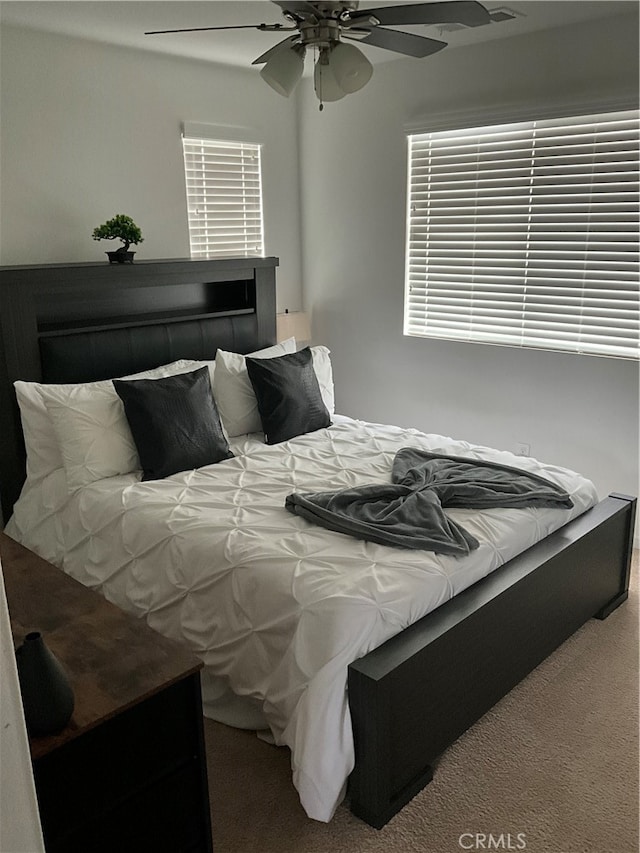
(323, 25)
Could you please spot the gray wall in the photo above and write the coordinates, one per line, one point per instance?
(576, 411)
(89, 130)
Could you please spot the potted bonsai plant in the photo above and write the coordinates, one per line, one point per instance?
(123, 228)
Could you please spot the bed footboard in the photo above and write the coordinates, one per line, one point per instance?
(417, 693)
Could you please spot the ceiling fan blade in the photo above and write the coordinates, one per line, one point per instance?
(269, 28)
(275, 49)
(406, 43)
(466, 12)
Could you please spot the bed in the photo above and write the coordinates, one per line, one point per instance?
(367, 661)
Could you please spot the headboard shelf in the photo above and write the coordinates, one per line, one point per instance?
(69, 307)
(89, 321)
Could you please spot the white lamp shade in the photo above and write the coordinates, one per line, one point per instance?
(293, 325)
(351, 68)
(283, 71)
(325, 83)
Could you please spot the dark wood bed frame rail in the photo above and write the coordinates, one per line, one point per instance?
(414, 695)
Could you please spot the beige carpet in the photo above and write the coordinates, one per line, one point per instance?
(555, 760)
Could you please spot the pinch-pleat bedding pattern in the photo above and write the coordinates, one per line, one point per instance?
(277, 607)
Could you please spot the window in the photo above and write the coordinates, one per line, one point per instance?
(224, 198)
(526, 234)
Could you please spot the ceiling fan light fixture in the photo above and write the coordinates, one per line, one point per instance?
(324, 80)
(351, 68)
(284, 69)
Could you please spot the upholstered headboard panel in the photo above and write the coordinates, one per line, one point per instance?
(83, 322)
(88, 356)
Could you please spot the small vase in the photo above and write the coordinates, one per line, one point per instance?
(47, 695)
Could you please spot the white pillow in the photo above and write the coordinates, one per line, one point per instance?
(233, 392)
(92, 432)
(43, 453)
(324, 372)
(73, 426)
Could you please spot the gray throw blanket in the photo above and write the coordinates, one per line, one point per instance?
(409, 511)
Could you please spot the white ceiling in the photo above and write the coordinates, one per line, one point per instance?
(124, 22)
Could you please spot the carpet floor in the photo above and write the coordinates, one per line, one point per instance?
(553, 768)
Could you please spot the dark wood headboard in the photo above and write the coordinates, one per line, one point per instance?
(89, 321)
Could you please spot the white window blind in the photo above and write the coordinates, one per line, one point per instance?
(224, 198)
(526, 234)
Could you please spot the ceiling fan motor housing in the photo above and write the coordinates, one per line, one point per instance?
(325, 33)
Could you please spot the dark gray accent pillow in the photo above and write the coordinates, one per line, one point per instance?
(288, 395)
(174, 422)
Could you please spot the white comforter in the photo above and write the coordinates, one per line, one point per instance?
(274, 606)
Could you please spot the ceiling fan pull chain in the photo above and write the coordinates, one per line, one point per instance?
(316, 59)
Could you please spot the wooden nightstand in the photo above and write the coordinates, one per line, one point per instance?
(128, 773)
